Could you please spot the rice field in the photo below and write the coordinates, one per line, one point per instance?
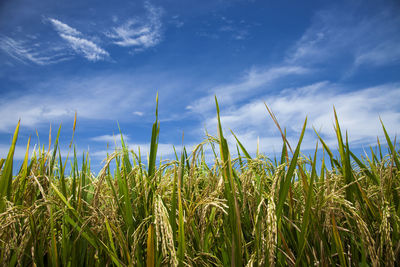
(241, 211)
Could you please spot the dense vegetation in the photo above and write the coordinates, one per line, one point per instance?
(239, 211)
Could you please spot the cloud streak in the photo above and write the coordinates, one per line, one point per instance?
(26, 52)
(111, 139)
(86, 48)
(64, 28)
(140, 33)
(249, 85)
(89, 96)
(316, 102)
(328, 43)
(80, 45)
(371, 39)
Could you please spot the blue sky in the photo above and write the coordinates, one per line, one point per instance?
(107, 61)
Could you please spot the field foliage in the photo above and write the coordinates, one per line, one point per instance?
(293, 210)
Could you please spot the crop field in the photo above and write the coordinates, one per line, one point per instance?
(293, 210)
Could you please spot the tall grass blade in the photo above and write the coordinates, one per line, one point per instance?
(154, 143)
(305, 226)
(196, 210)
(285, 184)
(181, 229)
(338, 242)
(6, 174)
(230, 193)
(391, 147)
(21, 180)
(242, 147)
(151, 253)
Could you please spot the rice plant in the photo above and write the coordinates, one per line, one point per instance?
(241, 211)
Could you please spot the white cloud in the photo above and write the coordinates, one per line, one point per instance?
(140, 33)
(35, 49)
(241, 35)
(107, 95)
(138, 113)
(32, 109)
(226, 27)
(26, 52)
(364, 40)
(107, 138)
(237, 31)
(19, 152)
(358, 113)
(64, 28)
(385, 53)
(249, 85)
(165, 150)
(89, 96)
(373, 39)
(358, 110)
(175, 20)
(87, 48)
(81, 45)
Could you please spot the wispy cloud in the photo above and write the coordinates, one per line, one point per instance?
(88, 95)
(64, 28)
(19, 152)
(237, 30)
(87, 48)
(315, 101)
(108, 138)
(252, 82)
(28, 52)
(369, 39)
(176, 21)
(140, 33)
(106, 96)
(138, 113)
(20, 149)
(385, 53)
(78, 42)
(164, 150)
